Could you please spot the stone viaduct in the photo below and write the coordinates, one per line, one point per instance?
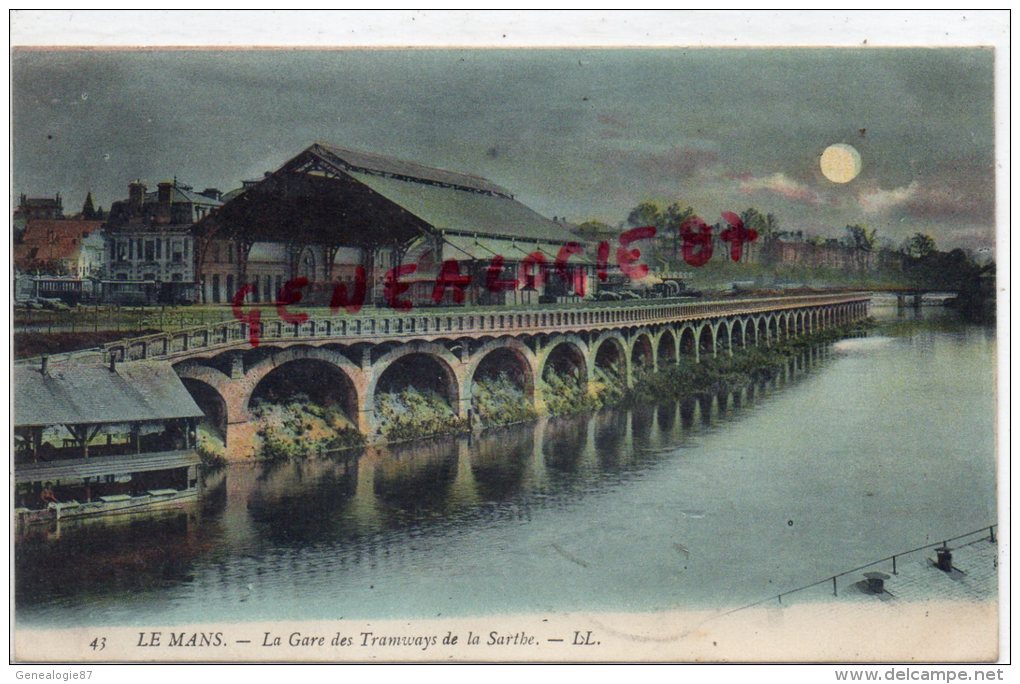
(355, 357)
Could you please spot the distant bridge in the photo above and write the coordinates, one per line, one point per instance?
(355, 357)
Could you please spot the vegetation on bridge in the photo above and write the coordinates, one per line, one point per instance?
(723, 374)
(298, 426)
(414, 413)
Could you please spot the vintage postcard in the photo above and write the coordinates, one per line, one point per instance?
(390, 350)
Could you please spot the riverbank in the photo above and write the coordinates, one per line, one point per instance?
(299, 427)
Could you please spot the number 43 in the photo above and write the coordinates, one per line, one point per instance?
(98, 644)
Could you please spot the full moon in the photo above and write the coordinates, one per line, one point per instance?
(841, 163)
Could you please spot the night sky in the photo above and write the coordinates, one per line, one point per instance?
(585, 134)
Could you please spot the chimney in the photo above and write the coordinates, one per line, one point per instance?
(43, 366)
(164, 197)
(212, 193)
(136, 197)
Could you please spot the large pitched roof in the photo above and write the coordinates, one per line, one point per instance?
(359, 198)
(370, 162)
(90, 393)
(456, 211)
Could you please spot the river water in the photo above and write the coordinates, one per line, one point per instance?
(861, 449)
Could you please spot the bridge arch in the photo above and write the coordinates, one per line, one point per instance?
(665, 347)
(689, 342)
(642, 353)
(706, 340)
(301, 368)
(423, 365)
(609, 351)
(737, 334)
(567, 355)
(508, 355)
(723, 341)
(211, 402)
(235, 404)
(761, 330)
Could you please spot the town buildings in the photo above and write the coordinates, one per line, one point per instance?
(351, 222)
(68, 247)
(150, 253)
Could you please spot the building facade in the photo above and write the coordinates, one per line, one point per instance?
(67, 247)
(149, 251)
(332, 214)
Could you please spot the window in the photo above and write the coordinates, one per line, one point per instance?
(159, 249)
(216, 288)
(279, 283)
(150, 251)
(230, 288)
(216, 252)
(230, 252)
(269, 288)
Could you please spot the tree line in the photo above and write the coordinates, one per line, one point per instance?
(916, 261)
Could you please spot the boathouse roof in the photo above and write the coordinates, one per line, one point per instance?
(334, 195)
(76, 393)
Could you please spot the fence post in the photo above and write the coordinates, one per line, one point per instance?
(991, 534)
(894, 566)
(834, 592)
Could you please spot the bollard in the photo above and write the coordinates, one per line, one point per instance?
(876, 582)
(944, 559)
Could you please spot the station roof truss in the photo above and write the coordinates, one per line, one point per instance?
(336, 196)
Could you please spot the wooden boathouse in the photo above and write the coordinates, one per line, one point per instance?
(92, 438)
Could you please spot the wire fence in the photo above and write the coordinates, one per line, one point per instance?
(83, 319)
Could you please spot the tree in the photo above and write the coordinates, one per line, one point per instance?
(676, 214)
(919, 246)
(650, 213)
(647, 213)
(88, 210)
(753, 218)
(861, 240)
(594, 229)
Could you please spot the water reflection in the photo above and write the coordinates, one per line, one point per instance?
(327, 525)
